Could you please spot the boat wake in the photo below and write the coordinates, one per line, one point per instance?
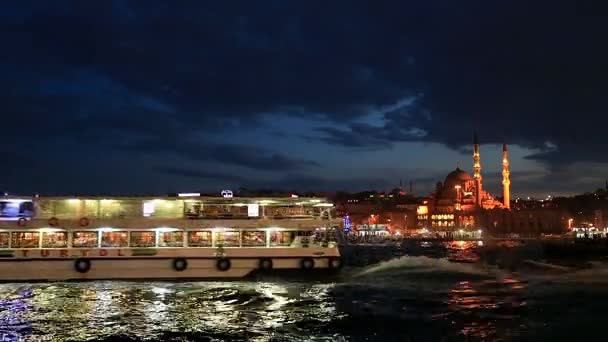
(421, 265)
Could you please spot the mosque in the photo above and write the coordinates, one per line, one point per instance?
(458, 202)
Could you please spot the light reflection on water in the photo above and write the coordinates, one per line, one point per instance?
(416, 298)
(225, 311)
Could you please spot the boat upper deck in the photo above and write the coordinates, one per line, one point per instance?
(163, 208)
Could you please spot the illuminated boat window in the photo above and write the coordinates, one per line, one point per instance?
(281, 238)
(171, 239)
(15, 208)
(115, 239)
(199, 239)
(25, 239)
(85, 239)
(143, 239)
(148, 208)
(228, 238)
(254, 238)
(4, 238)
(54, 239)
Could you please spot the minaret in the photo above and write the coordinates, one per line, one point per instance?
(506, 180)
(477, 170)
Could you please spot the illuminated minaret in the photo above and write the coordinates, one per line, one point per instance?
(477, 170)
(506, 180)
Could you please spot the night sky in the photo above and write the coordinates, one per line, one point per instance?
(129, 97)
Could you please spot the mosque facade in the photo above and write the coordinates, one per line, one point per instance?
(458, 202)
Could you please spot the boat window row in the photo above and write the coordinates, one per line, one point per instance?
(144, 239)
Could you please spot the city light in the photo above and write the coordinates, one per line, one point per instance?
(166, 229)
(49, 230)
(189, 194)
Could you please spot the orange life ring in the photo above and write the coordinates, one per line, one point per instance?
(83, 222)
(22, 222)
(53, 222)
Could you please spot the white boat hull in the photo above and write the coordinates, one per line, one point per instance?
(202, 263)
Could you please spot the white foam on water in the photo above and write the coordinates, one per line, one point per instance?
(423, 264)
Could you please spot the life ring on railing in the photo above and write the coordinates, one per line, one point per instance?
(180, 264)
(334, 263)
(82, 265)
(22, 222)
(53, 222)
(83, 222)
(265, 264)
(223, 264)
(307, 263)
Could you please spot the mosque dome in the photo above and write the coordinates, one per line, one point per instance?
(456, 177)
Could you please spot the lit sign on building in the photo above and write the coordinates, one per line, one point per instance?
(227, 193)
(347, 224)
(422, 209)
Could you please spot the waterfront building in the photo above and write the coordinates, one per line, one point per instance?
(456, 203)
(461, 204)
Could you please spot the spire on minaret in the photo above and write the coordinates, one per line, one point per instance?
(506, 179)
(477, 170)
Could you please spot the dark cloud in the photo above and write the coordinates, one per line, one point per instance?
(248, 156)
(148, 77)
(198, 174)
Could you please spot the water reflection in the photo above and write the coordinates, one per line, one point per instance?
(416, 298)
(98, 310)
(14, 307)
(486, 309)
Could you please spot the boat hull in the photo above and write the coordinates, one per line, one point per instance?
(123, 264)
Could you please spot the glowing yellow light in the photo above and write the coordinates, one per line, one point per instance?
(166, 229)
(49, 230)
(422, 210)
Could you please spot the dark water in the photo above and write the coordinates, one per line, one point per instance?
(408, 298)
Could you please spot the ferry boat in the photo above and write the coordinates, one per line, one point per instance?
(185, 236)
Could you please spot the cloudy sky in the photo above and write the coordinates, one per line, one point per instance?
(156, 96)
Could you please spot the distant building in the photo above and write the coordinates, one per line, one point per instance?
(456, 202)
(461, 203)
(523, 222)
